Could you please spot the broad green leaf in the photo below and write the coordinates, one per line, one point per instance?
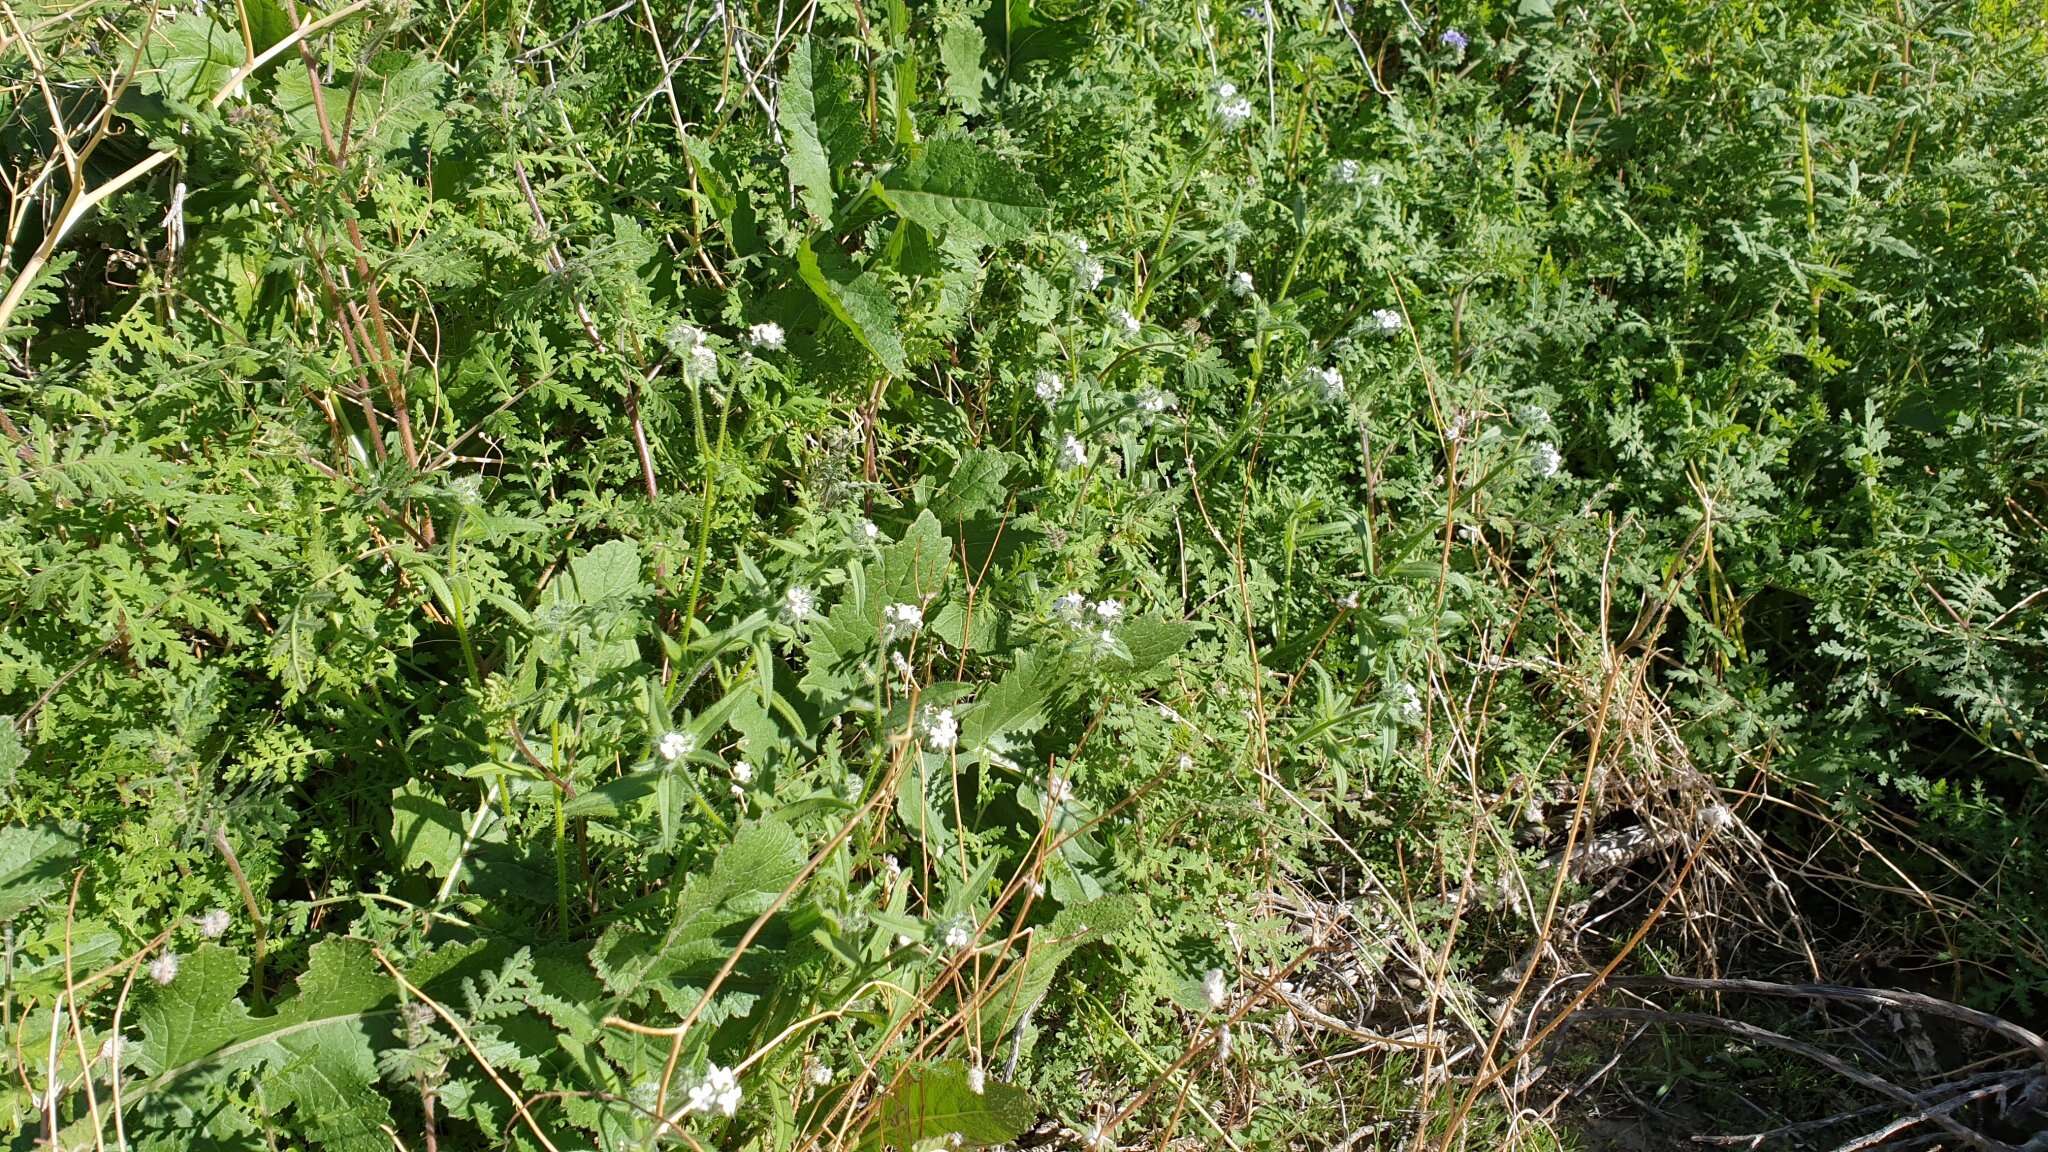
(762, 861)
(937, 1102)
(424, 831)
(188, 59)
(958, 186)
(975, 486)
(1016, 703)
(960, 47)
(316, 1054)
(859, 300)
(35, 864)
(816, 119)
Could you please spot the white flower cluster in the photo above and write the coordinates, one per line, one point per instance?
(1330, 381)
(1231, 110)
(215, 923)
(1087, 269)
(1048, 387)
(941, 730)
(1407, 703)
(1346, 171)
(1387, 320)
(676, 745)
(1155, 402)
(766, 336)
(718, 1090)
(1241, 285)
(1073, 453)
(1547, 460)
(959, 933)
(700, 361)
(1124, 319)
(799, 604)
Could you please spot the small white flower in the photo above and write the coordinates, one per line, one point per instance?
(742, 772)
(819, 1074)
(676, 745)
(1375, 178)
(1469, 533)
(1096, 1140)
(1038, 889)
(892, 866)
(1388, 321)
(1349, 600)
(1126, 321)
(941, 730)
(1241, 285)
(1407, 703)
(1105, 642)
(799, 603)
(737, 792)
(1223, 1042)
(164, 968)
(215, 923)
(766, 336)
(1225, 90)
(1547, 460)
(1109, 611)
(717, 1091)
(901, 664)
(1346, 171)
(903, 940)
(1330, 381)
(959, 933)
(1152, 401)
(977, 1079)
(703, 363)
(899, 620)
(1070, 607)
(1073, 453)
(1717, 817)
(1233, 112)
(1187, 762)
(1048, 386)
(868, 532)
(1532, 812)
(1214, 990)
(1060, 790)
(1088, 273)
(1080, 245)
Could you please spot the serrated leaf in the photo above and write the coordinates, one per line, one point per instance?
(976, 485)
(960, 49)
(188, 59)
(814, 115)
(936, 1103)
(856, 299)
(316, 1054)
(424, 831)
(762, 860)
(1016, 703)
(959, 187)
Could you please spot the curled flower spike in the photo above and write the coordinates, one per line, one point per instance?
(766, 336)
(1048, 387)
(1060, 790)
(900, 620)
(819, 1074)
(1126, 321)
(1233, 112)
(1387, 320)
(676, 745)
(703, 363)
(164, 968)
(1346, 171)
(1109, 611)
(1154, 402)
(959, 934)
(1454, 40)
(1241, 285)
(1533, 416)
(1547, 460)
(1070, 607)
(1088, 273)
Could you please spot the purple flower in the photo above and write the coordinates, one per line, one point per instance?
(1454, 40)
